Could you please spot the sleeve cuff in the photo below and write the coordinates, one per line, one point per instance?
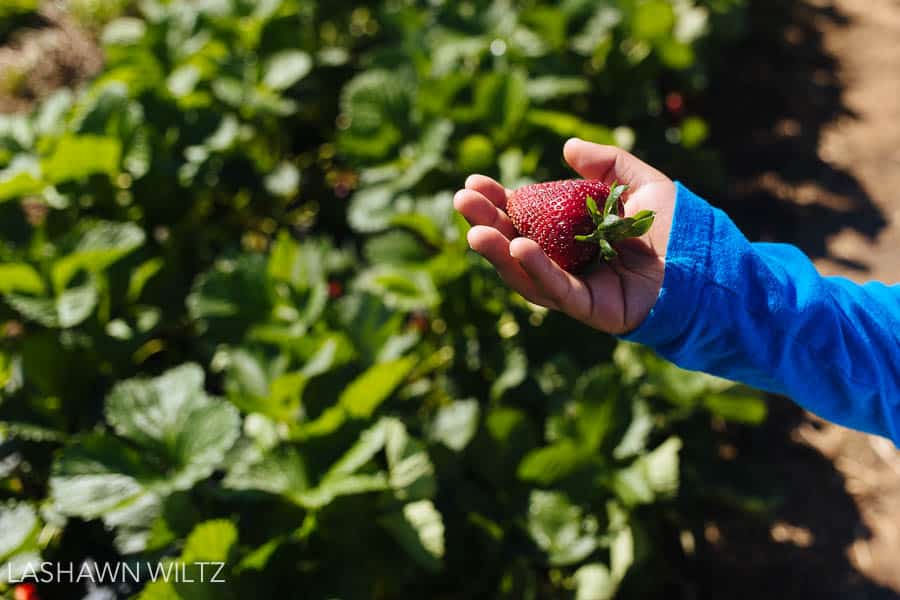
(687, 259)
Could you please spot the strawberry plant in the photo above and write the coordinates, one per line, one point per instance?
(240, 323)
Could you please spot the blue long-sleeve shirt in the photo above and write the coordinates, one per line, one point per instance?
(761, 314)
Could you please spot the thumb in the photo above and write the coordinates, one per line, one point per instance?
(608, 163)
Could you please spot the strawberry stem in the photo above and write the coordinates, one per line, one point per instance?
(612, 228)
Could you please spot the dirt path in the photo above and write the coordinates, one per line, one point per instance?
(867, 146)
(48, 52)
(811, 129)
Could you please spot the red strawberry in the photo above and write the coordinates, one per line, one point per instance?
(565, 221)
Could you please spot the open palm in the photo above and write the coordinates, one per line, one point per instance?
(614, 297)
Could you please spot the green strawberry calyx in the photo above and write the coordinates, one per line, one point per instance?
(612, 228)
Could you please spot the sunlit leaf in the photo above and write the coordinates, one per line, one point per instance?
(366, 393)
(419, 528)
(560, 528)
(20, 277)
(77, 156)
(455, 425)
(18, 523)
(96, 247)
(286, 68)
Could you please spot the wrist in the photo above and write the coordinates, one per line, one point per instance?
(686, 260)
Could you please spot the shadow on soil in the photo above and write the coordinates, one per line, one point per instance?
(776, 93)
(746, 563)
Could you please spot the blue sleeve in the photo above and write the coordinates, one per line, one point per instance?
(762, 315)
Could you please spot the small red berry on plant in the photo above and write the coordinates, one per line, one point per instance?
(26, 591)
(564, 219)
(335, 289)
(675, 103)
(419, 321)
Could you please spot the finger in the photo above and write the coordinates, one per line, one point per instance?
(489, 243)
(488, 188)
(608, 163)
(478, 210)
(569, 293)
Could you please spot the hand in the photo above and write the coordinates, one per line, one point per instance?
(614, 297)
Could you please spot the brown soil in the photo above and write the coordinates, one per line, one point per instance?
(49, 52)
(812, 131)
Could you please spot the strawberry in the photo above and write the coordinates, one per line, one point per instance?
(565, 221)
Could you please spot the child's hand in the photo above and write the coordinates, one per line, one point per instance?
(614, 297)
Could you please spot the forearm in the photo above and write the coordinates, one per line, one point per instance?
(761, 314)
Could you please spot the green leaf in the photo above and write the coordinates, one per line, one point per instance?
(594, 582)
(286, 68)
(566, 125)
(652, 476)
(19, 523)
(77, 156)
(653, 20)
(124, 31)
(597, 395)
(301, 265)
(551, 87)
(343, 478)
(99, 477)
(30, 432)
(596, 37)
(402, 288)
(550, 464)
(280, 471)
(694, 132)
(738, 407)
(593, 210)
(97, 246)
(20, 278)
(611, 205)
(176, 435)
(560, 528)
(395, 247)
(283, 181)
(634, 441)
(411, 473)
(329, 421)
(142, 275)
(351, 485)
(514, 372)
(21, 178)
(501, 102)
(368, 391)
(231, 296)
(210, 541)
(370, 442)
(676, 54)
(69, 309)
(376, 104)
(455, 424)
(372, 208)
(173, 416)
(419, 529)
(476, 153)
(621, 554)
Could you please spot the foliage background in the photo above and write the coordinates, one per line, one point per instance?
(241, 322)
